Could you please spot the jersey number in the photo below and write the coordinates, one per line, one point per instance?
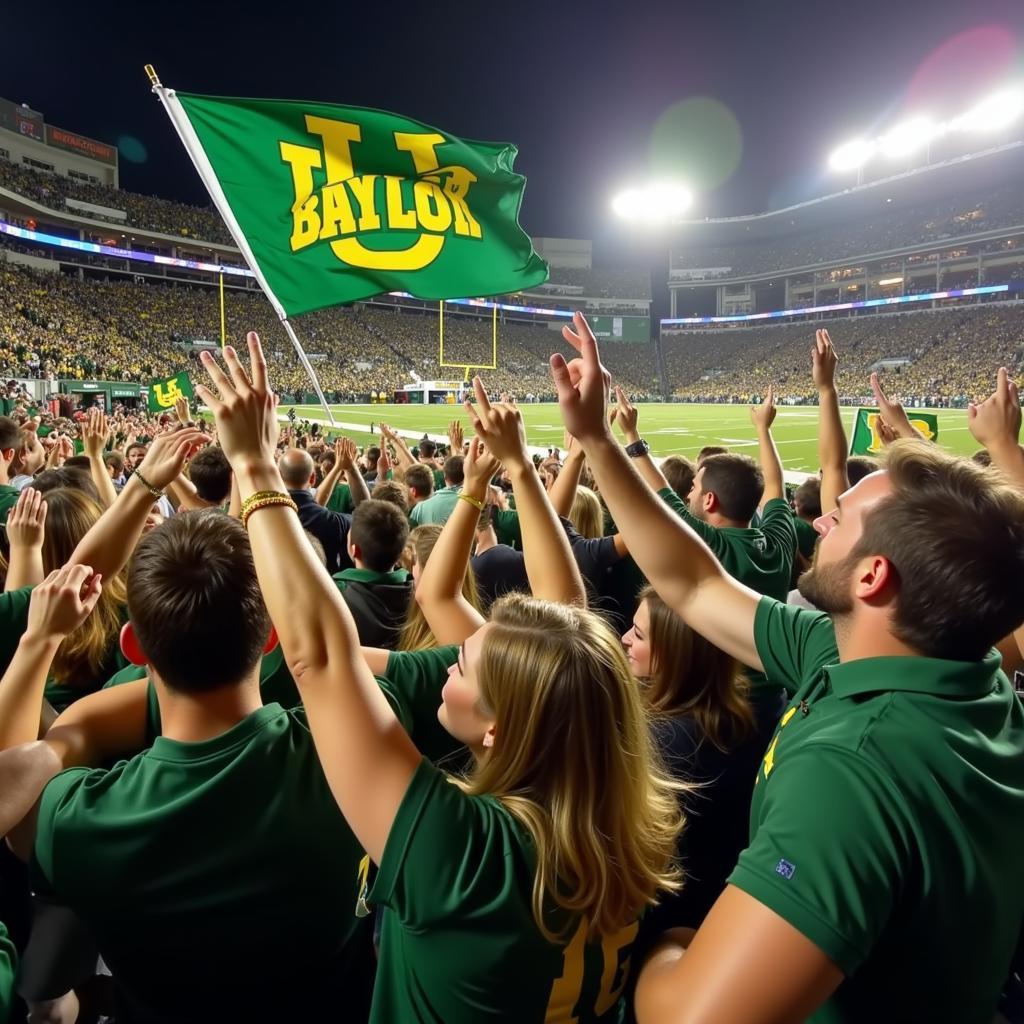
(567, 991)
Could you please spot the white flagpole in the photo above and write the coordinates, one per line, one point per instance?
(194, 148)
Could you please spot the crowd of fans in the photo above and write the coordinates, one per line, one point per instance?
(150, 213)
(446, 733)
(899, 227)
(937, 357)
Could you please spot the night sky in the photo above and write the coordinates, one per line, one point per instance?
(578, 87)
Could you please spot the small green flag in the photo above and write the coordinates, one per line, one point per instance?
(868, 441)
(333, 204)
(163, 393)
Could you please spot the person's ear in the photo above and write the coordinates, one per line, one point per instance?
(130, 646)
(874, 579)
(271, 641)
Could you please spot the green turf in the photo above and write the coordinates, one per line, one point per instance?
(669, 429)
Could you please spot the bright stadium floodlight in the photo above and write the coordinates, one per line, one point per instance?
(994, 112)
(852, 155)
(653, 205)
(909, 137)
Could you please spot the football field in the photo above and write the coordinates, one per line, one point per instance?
(670, 429)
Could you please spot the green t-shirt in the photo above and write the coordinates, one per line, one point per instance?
(13, 622)
(8, 499)
(8, 961)
(340, 499)
(887, 822)
(507, 528)
(412, 683)
(806, 537)
(219, 877)
(461, 945)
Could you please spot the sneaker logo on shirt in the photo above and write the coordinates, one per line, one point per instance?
(785, 869)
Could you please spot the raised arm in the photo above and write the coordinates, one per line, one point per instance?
(831, 436)
(628, 417)
(439, 592)
(25, 530)
(60, 604)
(678, 563)
(402, 452)
(95, 435)
(367, 756)
(563, 490)
(763, 416)
(892, 412)
(330, 481)
(355, 480)
(550, 566)
(995, 423)
(112, 539)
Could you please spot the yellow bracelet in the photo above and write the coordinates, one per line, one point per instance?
(270, 500)
(259, 496)
(475, 502)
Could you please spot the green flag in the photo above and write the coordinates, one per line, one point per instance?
(332, 204)
(868, 441)
(163, 393)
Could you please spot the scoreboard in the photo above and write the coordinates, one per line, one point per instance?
(621, 328)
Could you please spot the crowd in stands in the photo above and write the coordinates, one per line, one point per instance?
(945, 353)
(600, 283)
(900, 227)
(291, 732)
(147, 212)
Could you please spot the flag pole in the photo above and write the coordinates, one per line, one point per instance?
(223, 332)
(194, 148)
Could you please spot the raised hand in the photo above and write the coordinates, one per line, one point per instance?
(168, 454)
(763, 415)
(823, 361)
(245, 410)
(996, 421)
(345, 452)
(499, 426)
(182, 410)
(626, 415)
(95, 433)
(893, 413)
(478, 469)
(583, 385)
(383, 462)
(456, 439)
(25, 524)
(63, 601)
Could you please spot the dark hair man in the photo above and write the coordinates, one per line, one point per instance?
(210, 473)
(439, 506)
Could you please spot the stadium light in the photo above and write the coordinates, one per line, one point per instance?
(909, 137)
(890, 280)
(653, 205)
(852, 155)
(994, 112)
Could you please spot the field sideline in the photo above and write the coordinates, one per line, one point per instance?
(670, 429)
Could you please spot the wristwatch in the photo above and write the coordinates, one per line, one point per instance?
(637, 448)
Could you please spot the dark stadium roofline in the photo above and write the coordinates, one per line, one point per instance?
(781, 273)
(989, 167)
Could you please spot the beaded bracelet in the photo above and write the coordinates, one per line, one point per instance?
(155, 491)
(475, 502)
(265, 499)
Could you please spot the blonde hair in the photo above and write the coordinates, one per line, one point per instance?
(575, 763)
(70, 514)
(690, 676)
(416, 634)
(586, 513)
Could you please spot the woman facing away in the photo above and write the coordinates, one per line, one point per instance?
(515, 892)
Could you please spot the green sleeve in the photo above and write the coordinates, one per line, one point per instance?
(340, 499)
(413, 683)
(777, 524)
(447, 854)
(708, 534)
(830, 852)
(13, 622)
(507, 528)
(794, 643)
(60, 808)
(8, 961)
(438, 479)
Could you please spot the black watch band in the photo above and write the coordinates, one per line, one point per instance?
(637, 448)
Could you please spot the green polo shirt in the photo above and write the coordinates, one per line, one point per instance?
(346, 576)
(224, 865)
(460, 944)
(341, 499)
(8, 961)
(887, 822)
(437, 508)
(8, 499)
